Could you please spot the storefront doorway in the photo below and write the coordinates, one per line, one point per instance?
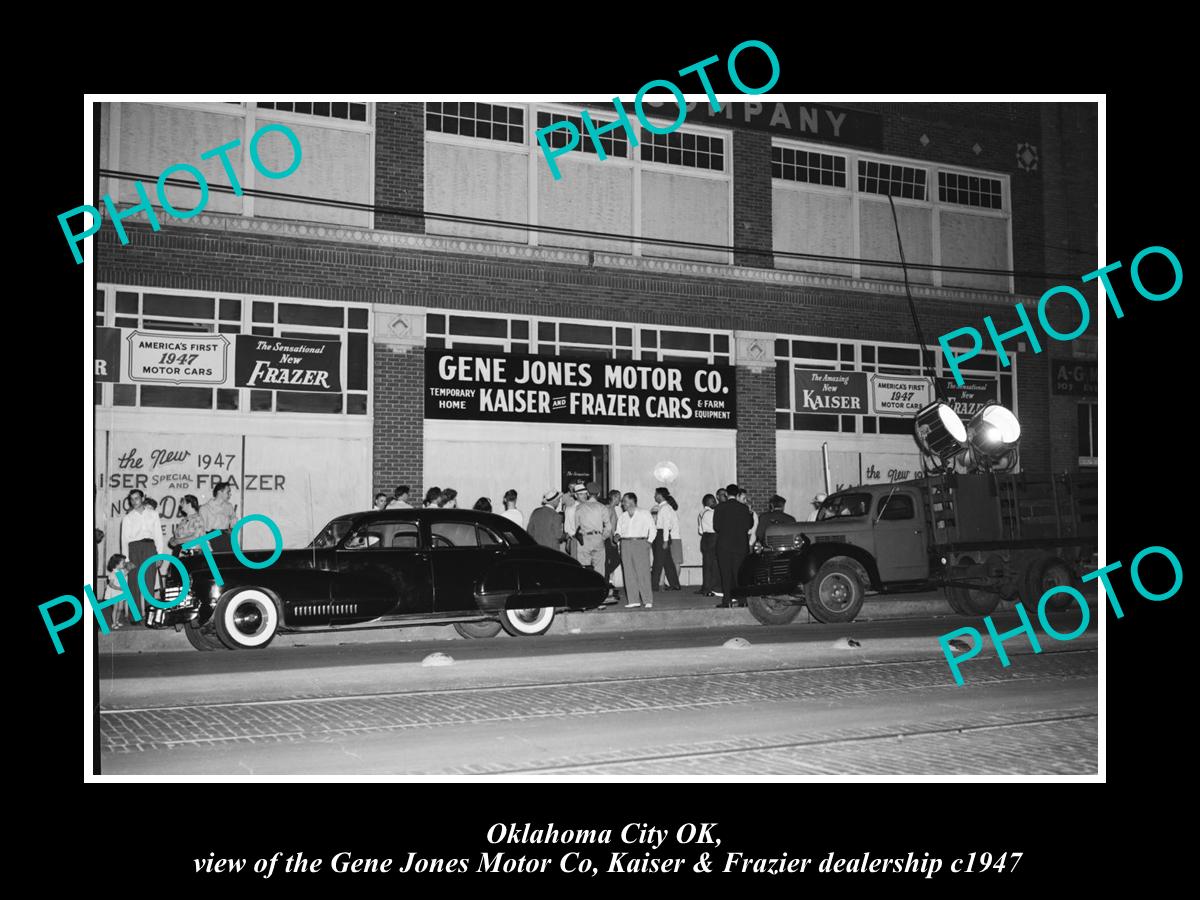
(585, 463)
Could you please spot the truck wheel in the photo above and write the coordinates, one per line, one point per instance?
(971, 601)
(1045, 573)
(488, 629)
(773, 610)
(836, 593)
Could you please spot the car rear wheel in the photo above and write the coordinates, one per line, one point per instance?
(246, 619)
(836, 593)
(488, 629)
(202, 639)
(526, 622)
(773, 610)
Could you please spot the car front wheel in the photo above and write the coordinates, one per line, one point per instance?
(525, 622)
(246, 619)
(202, 639)
(488, 629)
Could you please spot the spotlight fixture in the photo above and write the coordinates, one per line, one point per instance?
(939, 431)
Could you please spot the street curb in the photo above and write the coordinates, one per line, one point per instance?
(613, 619)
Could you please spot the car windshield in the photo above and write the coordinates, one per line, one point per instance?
(844, 505)
(332, 533)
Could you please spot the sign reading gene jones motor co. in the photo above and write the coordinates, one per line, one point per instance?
(524, 388)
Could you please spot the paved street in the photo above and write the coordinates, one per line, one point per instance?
(639, 704)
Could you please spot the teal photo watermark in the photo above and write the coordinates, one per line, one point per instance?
(126, 595)
(144, 205)
(594, 132)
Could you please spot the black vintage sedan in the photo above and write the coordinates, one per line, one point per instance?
(384, 569)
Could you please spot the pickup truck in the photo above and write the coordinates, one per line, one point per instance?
(982, 538)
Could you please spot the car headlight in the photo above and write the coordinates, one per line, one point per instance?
(797, 540)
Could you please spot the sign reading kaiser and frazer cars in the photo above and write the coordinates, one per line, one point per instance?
(289, 364)
(525, 388)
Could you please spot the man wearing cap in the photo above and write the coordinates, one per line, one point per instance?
(732, 522)
(545, 522)
(816, 506)
(636, 530)
(591, 518)
(773, 516)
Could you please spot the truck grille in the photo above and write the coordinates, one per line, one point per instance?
(772, 572)
(780, 541)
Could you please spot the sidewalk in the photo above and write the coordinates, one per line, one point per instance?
(672, 609)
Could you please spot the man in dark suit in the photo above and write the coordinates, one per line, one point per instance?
(732, 522)
(774, 516)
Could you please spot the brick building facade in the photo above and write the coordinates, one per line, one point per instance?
(431, 275)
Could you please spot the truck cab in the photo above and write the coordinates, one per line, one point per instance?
(871, 537)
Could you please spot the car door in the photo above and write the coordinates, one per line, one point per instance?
(458, 560)
(382, 570)
(900, 540)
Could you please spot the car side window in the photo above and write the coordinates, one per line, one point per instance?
(453, 534)
(384, 536)
(900, 506)
(489, 538)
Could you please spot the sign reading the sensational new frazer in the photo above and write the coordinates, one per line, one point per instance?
(821, 391)
(289, 364)
(968, 398)
(524, 388)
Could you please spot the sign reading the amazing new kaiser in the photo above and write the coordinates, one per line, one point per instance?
(289, 364)
(523, 388)
(833, 392)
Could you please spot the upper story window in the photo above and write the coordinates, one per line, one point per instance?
(808, 167)
(492, 121)
(682, 148)
(352, 112)
(559, 337)
(614, 142)
(970, 190)
(891, 178)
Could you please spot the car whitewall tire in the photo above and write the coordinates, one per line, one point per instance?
(246, 619)
(527, 622)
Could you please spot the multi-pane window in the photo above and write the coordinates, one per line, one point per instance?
(984, 379)
(969, 190)
(557, 337)
(808, 167)
(615, 142)
(353, 112)
(682, 148)
(891, 178)
(234, 315)
(1089, 433)
(492, 121)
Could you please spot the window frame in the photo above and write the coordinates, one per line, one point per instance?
(245, 325)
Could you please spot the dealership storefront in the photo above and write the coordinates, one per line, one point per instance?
(271, 394)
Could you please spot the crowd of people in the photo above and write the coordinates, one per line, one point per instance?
(639, 550)
(143, 535)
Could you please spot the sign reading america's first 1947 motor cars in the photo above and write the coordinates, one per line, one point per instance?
(526, 388)
(168, 358)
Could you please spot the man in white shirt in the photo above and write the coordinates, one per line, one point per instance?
(708, 548)
(510, 508)
(635, 528)
(142, 538)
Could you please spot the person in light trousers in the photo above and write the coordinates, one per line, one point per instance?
(636, 530)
